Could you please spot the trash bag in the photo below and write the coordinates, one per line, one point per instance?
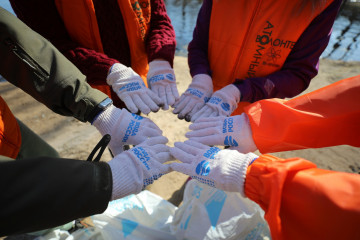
(142, 216)
(206, 213)
(210, 213)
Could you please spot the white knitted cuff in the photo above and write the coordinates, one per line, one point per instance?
(236, 170)
(125, 177)
(250, 157)
(200, 79)
(107, 119)
(232, 92)
(159, 65)
(119, 72)
(248, 144)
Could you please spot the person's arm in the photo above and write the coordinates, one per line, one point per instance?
(326, 117)
(42, 16)
(33, 64)
(198, 47)
(300, 66)
(304, 202)
(161, 42)
(42, 193)
(300, 201)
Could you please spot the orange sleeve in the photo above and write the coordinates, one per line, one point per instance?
(303, 202)
(326, 117)
(10, 135)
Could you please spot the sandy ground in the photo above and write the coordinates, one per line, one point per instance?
(74, 139)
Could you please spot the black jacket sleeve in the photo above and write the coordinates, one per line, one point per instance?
(44, 192)
(33, 64)
(41, 193)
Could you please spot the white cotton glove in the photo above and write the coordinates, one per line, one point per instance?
(226, 131)
(161, 80)
(125, 128)
(140, 166)
(131, 89)
(222, 103)
(195, 97)
(223, 169)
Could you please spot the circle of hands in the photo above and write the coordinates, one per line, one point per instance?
(151, 158)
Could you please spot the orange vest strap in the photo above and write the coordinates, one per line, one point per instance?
(10, 136)
(80, 21)
(137, 14)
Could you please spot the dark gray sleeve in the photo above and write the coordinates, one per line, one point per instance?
(43, 193)
(33, 64)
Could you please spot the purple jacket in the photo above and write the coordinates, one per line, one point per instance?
(299, 68)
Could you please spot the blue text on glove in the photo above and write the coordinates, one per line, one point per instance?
(195, 92)
(228, 125)
(142, 155)
(130, 87)
(211, 152)
(131, 130)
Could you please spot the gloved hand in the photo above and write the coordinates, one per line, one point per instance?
(131, 89)
(195, 97)
(125, 128)
(140, 166)
(232, 131)
(222, 103)
(222, 169)
(161, 80)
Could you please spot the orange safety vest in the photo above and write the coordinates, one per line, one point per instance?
(80, 21)
(10, 136)
(253, 38)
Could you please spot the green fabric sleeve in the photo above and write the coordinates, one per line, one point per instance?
(33, 64)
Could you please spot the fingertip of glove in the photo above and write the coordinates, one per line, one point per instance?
(176, 144)
(161, 105)
(155, 110)
(165, 107)
(188, 118)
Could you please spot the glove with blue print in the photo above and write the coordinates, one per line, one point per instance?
(140, 166)
(125, 128)
(232, 131)
(131, 89)
(195, 97)
(161, 80)
(222, 103)
(222, 169)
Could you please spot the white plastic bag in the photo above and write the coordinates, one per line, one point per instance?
(206, 213)
(142, 216)
(209, 213)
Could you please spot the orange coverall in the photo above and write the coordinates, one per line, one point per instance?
(301, 201)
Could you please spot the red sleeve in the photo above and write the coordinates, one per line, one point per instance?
(303, 202)
(42, 16)
(161, 41)
(326, 117)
